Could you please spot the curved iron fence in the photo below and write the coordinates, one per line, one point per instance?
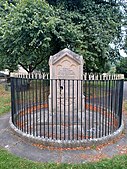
(62, 109)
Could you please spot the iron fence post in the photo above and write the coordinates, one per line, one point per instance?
(121, 101)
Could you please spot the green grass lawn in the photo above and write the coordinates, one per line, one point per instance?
(4, 100)
(9, 161)
(125, 105)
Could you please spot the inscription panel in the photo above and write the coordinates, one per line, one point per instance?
(63, 93)
(65, 73)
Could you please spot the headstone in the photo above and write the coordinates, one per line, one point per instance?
(66, 94)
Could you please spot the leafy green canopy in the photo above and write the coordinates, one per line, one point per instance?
(121, 66)
(100, 25)
(78, 4)
(125, 25)
(32, 30)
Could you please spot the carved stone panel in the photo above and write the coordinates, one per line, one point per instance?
(66, 74)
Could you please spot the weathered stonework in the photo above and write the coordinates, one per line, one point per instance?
(66, 73)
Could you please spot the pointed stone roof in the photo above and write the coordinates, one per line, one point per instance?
(65, 52)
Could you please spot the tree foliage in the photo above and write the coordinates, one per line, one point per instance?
(125, 25)
(25, 33)
(78, 4)
(32, 30)
(121, 66)
(99, 25)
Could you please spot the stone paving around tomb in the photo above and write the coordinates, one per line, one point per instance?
(21, 148)
(36, 152)
(66, 130)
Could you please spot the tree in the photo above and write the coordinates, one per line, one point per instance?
(32, 30)
(6, 63)
(99, 25)
(121, 66)
(125, 45)
(99, 22)
(125, 26)
(25, 33)
(78, 4)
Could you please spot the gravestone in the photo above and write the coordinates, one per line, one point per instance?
(66, 96)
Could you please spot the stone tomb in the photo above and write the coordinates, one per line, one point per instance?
(66, 100)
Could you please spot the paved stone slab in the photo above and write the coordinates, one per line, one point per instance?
(8, 139)
(122, 141)
(21, 148)
(110, 150)
(4, 121)
(72, 157)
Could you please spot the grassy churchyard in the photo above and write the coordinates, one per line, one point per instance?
(9, 161)
(4, 100)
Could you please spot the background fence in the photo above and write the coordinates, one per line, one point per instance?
(62, 109)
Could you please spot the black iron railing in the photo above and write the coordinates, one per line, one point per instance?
(62, 109)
